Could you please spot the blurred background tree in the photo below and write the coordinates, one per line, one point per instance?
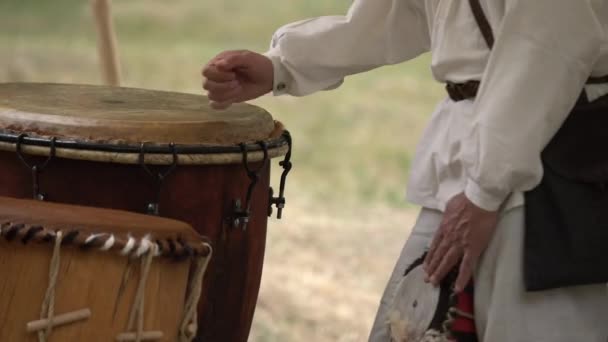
(346, 218)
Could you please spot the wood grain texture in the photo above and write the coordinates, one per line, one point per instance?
(102, 113)
(87, 278)
(201, 196)
(92, 220)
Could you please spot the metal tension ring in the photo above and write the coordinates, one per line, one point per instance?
(36, 169)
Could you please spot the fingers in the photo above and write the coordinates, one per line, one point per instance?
(237, 60)
(465, 272)
(221, 83)
(224, 96)
(237, 76)
(439, 247)
(219, 87)
(222, 88)
(220, 105)
(448, 262)
(216, 74)
(437, 239)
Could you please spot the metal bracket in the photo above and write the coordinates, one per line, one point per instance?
(36, 169)
(279, 201)
(240, 214)
(153, 208)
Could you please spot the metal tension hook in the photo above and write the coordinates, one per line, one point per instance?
(279, 201)
(36, 169)
(241, 214)
(153, 208)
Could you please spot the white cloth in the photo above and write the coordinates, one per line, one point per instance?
(504, 311)
(490, 148)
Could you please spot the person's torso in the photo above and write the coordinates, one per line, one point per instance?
(459, 52)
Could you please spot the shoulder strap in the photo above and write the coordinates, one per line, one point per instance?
(488, 35)
(482, 22)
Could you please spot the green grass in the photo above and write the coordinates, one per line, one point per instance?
(345, 221)
(352, 145)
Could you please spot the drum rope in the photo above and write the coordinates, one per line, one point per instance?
(188, 327)
(145, 249)
(48, 304)
(137, 310)
(166, 247)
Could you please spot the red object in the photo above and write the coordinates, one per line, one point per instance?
(462, 327)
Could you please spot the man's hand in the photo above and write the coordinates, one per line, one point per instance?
(237, 76)
(464, 233)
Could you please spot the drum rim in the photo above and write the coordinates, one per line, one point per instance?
(143, 147)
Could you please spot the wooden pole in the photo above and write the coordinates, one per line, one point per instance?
(106, 42)
(66, 318)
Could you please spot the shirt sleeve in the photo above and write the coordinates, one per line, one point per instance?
(543, 54)
(317, 54)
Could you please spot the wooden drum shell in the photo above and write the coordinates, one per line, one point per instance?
(92, 280)
(200, 195)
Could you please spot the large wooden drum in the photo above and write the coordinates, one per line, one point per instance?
(157, 152)
(72, 273)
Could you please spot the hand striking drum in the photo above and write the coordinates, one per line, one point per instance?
(158, 152)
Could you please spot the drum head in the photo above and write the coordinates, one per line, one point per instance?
(414, 307)
(115, 114)
(419, 309)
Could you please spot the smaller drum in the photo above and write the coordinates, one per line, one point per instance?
(73, 273)
(421, 312)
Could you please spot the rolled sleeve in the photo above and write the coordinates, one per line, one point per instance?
(482, 198)
(282, 78)
(317, 54)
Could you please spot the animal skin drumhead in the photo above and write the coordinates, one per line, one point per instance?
(118, 114)
(414, 307)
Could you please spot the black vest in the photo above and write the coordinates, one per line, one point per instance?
(566, 215)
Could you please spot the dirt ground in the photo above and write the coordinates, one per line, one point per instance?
(325, 272)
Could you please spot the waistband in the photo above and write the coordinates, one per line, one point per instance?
(468, 90)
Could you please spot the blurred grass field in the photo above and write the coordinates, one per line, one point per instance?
(346, 219)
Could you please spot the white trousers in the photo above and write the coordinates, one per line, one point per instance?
(504, 311)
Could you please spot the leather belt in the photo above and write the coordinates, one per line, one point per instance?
(468, 90)
(462, 91)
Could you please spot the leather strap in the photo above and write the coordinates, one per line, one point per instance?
(598, 80)
(482, 22)
(462, 91)
(468, 90)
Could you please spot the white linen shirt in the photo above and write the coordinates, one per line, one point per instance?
(490, 147)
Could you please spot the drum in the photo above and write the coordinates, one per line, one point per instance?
(158, 152)
(421, 312)
(73, 273)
